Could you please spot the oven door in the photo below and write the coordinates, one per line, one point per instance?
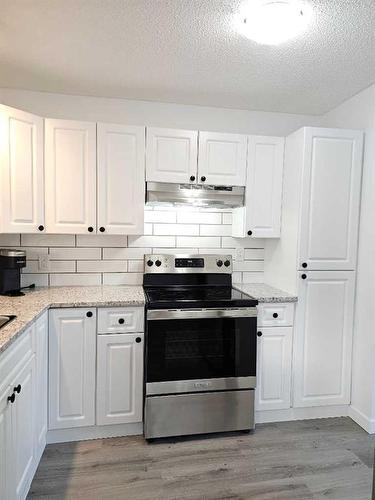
(200, 350)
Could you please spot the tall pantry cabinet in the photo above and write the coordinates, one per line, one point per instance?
(316, 258)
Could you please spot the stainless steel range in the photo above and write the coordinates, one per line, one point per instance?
(200, 358)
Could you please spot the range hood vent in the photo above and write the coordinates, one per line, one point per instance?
(160, 193)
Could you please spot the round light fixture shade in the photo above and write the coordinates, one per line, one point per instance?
(271, 22)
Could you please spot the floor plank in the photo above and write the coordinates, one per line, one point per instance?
(310, 459)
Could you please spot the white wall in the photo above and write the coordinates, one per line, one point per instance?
(359, 112)
(154, 114)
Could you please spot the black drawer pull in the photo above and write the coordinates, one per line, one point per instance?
(249, 233)
(12, 398)
(259, 334)
(275, 315)
(304, 264)
(90, 229)
(121, 321)
(138, 340)
(89, 314)
(41, 228)
(17, 388)
(303, 276)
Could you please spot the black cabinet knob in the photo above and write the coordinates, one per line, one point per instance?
(227, 263)
(259, 334)
(121, 321)
(150, 263)
(138, 340)
(303, 276)
(158, 263)
(12, 398)
(192, 178)
(102, 229)
(249, 233)
(17, 388)
(203, 178)
(89, 314)
(304, 264)
(275, 315)
(41, 228)
(219, 263)
(90, 229)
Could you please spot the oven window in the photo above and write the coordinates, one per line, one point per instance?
(188, 349)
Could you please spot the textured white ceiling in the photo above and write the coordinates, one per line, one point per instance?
(185, 51)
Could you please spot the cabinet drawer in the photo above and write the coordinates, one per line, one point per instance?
(120, 320)
(275, 314)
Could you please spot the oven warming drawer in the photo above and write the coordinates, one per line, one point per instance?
(184, 414)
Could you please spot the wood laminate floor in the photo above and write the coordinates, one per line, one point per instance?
(310, 459)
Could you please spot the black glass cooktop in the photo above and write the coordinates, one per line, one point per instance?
(178, 297)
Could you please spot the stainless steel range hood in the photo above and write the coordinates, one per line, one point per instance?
(158, 193)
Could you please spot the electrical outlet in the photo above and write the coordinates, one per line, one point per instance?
(239, 254)
(43, 262)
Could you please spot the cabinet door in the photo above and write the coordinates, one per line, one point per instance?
(41, 341)
(330, 199)
(121, 179)
(274, 368)
(120, 378)
(323, 338)
(70, 176)
(261, 216)
(21, 171)
(72, 351)
(6, 449)
(171, 155)
(23, 430)
(222, 159)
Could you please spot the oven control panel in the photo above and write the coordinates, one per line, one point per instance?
(164, 263)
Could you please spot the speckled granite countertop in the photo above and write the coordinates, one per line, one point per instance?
(265, 293)
(34, 303)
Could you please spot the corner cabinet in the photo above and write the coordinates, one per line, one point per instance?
(121, 179)
(70, 176)
(72, 356)
(171, 155)
(261, 215)
(21, 172)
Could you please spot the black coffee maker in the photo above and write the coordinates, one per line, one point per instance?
(11, 263)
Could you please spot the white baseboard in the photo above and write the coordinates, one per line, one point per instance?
(361, 419)
(94, 432)
(268, 416)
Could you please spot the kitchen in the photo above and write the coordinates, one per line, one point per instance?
(149, 219)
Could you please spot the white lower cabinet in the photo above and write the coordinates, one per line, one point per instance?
(5, 441)
(274, 368)
(41, 409)
(323, 338)
(72, 357)
(119, 378)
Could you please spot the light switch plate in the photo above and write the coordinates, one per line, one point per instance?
(43, 263)
(239, 254)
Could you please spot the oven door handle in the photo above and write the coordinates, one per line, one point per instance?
(170, 314)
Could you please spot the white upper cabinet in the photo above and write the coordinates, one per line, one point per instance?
(70, 176)
(331, 186)
(171, 155)
(21, 172)
(261, 215)
(222, 159)
(323, 338)
(72, 357)
(121, 182)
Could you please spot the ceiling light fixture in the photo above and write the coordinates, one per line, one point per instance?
(271, 22)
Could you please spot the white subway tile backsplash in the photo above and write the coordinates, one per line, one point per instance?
(101, 240)
(186, 217)
(125, 253)
(102, 266)
(176, 229)
(198, 241)
(47, 240)
(151, 241)
(122, 278)
(118, 260)
(75, 279)
(75, 253)
(215, 230)
(10, 240)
